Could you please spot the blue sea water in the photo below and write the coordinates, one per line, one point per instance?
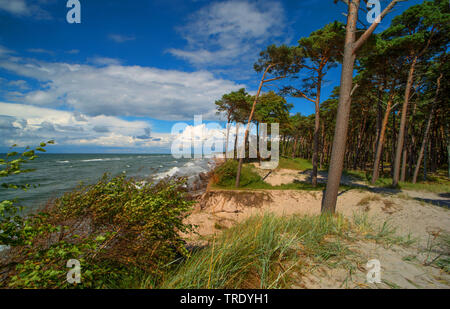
(58, 173)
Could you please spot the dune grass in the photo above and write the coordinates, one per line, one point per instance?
(262, 252)
(271, 252)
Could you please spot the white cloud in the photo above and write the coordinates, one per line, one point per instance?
(5, 51)
(18, 7)
(104, 61)
(26, 125)
(210, 137)
(202, 133)
(119, 38)
(24, 8)
(40, 97)
(21, 84)
(73, 51)
(119, 90)
(230, 32)
(40, 51)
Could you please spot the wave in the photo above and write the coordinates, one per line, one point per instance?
(104, 159)
(190, 169)
(153, 156)
(170, 173)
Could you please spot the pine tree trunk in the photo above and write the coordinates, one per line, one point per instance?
(359, 142)
(257, 142)
(379, 114)
(238, 174)
(401, 134)
(343, 112)
(425, 158)
(393, 142)
(235, 150)
(227, 138)
(294, 147)
(427, 130)
(316, 131)
(404, 159)
(322, 154)
(433, 151)
(447, 133)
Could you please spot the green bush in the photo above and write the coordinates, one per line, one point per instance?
(225, 174)
(112, 227)
(14, 229)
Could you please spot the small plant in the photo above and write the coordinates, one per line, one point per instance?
(365, 201)
(14, 229)
(438, 250)
(386, 234)
(362, 222)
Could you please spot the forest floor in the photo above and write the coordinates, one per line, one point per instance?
(420, 216)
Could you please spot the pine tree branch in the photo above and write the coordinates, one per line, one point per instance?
(272, 79)
(302, 95)
(374, 25)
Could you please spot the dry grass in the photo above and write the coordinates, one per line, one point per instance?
(266, 252)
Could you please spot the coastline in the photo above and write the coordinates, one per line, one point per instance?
(201, 183)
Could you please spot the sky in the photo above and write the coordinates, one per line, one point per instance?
(122, 78)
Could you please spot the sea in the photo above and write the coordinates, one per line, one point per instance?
(55, 174)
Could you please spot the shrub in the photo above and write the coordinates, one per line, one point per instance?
(112, 227)
(225, 174)
(14, 229)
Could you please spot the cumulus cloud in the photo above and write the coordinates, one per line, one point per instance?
(210, 138)
(73, 51)
(118, 90)
(5, 51)
(104, 61)
(24, 8)
(21, 84)
(25, 125)
(40, 51)
(202, 132)
(119, 38)
(230, 32)
(18, 7)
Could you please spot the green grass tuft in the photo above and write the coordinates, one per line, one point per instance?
(295, 164)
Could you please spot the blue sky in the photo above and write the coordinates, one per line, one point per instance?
(118, 81)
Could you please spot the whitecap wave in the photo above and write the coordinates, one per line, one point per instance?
(104, 159)
(190, 169)
(170, 173)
